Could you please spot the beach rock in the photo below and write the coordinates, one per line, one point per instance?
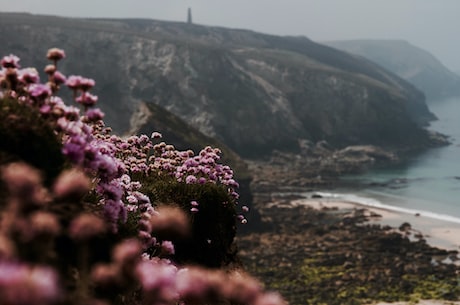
(405, 227)
(338, 257)
(365, 153)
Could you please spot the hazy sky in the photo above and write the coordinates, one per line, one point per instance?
(431, 24)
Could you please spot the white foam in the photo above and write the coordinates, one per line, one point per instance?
(372, 202)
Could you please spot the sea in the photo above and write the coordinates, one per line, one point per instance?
(427, 185)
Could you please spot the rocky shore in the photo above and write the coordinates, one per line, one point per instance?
(320, 165)
(336, 256)
(315, 166)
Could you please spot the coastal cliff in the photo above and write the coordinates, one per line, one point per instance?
(411, 63)
(256, 93)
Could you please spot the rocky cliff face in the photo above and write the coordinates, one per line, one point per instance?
(256, 93)
(409, 62)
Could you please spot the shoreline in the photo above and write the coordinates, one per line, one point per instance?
(439, 233)
(349, 253)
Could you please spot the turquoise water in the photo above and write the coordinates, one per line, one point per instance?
(430, 182)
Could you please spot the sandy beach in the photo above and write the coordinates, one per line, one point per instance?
(438, 233)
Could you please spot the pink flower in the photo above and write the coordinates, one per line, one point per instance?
(127, 252)
(167, 248)
(45, 109)
(190, 179)
(74, 152)
(271, 298)
(50, 69)
(105, 276)
(55, 54)
(28, 76)
(200, 286)
(58, 78)
(7, 249)
(158, 281)
(86, 226)
(87, 83)
(43, 223)
(94, 114)
(10, 61)
(170, 223)
(39, 91)
(71, 183)
(242, 288)
(156, 135)
(194, 210)
(235, 195)
(87, 99)
(114, 211)
(25, 183)
(22, 284)
(74, 81)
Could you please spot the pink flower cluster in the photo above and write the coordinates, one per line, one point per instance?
(81, 143)
(36, 221)
(187, 167)
(23, 284)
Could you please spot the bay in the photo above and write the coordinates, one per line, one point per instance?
(429, 183)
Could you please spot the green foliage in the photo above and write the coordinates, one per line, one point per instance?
(213, 227)
(25, 135)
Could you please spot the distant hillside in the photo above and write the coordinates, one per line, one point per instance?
(409, 62)
(256, 93)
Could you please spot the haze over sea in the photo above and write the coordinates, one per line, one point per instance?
(429, 184)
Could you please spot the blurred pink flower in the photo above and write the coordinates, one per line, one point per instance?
(71, 183)
(58, 78)
(87, 99)
(94, 114)
(86, 226)
(127, 251)
(42, 223)
(270, 298)
(55, 54)
(50, 69)
(10, 61)
(39, 91)
(87, 83)
(170, 223)
(24, 285)
(73, 81)
(158, 281)
(200, 286)
(28, 76)
(167, 248)
(156, 135)
(7, 249)
(194, 210)
(24, 183)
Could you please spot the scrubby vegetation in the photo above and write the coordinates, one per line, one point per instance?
(88, 217)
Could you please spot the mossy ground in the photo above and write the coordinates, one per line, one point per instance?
(329, 257)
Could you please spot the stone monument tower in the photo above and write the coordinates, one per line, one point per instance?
(189, 16)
